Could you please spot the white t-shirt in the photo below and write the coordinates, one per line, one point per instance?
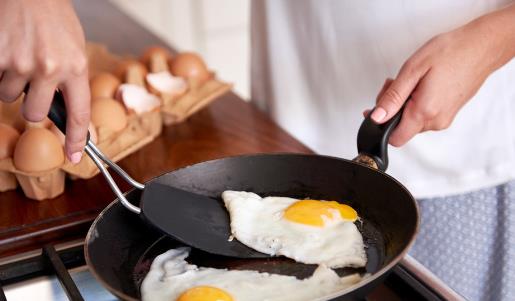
(316, 65)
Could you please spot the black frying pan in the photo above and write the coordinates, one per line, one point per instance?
(120, 246)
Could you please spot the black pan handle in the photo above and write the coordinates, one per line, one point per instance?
(57, 112)
(373, 141)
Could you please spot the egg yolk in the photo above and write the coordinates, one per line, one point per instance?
(205, 293)
(311, 212)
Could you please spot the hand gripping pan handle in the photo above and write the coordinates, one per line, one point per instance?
(57, 114)
(373, 141)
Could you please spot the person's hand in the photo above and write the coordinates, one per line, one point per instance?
(42, 42)
(444, 74)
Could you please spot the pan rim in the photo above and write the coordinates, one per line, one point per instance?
(382, 271)
(91, 267)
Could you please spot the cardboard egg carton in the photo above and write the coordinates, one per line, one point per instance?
(35, 185)
(175, 109)
(38, 185)
(139, 131)
(7, 179)
(8, 115)
(178, 109)
(197, 96)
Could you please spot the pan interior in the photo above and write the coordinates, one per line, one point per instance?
(374, 244)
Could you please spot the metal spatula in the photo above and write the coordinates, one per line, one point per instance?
(193, 219)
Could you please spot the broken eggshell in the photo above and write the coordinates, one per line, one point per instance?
(165, 83)
(136, 98)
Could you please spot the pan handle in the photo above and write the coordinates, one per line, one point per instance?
(373, 141)
(57, 114)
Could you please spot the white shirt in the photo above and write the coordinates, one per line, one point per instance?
(316, 65)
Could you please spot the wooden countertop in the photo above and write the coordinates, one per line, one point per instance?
(227, 127)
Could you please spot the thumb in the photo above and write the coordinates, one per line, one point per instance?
(392, 99)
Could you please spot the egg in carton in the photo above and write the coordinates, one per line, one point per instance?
(183, 82)
(35, 161)
(39, 181)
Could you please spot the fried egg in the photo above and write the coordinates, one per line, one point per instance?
(308, 231)
(171, 278)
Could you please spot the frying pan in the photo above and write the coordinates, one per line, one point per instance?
(120, 246)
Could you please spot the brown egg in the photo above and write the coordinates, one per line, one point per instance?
(189, 65)
(8, 138)
(132, 72)
(104, 85)
(38, 149)
(108, 113)
(156, 58)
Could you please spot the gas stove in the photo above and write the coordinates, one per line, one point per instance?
(59, 272)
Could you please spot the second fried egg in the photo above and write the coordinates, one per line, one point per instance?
(308, 231)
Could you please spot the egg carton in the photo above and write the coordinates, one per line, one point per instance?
(7, 180)
(140, 130)
(35, 185)
(174, 108)
(178, 109)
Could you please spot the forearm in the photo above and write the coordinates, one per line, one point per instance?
(445, 73)
(497, 29)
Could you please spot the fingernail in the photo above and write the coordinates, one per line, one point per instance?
(378, 115)
(75, 157)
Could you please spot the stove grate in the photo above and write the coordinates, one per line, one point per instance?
(62, 274)
(50, 262)
(2, 294)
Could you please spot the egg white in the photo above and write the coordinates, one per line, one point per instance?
(170, 275)
(258, 223)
